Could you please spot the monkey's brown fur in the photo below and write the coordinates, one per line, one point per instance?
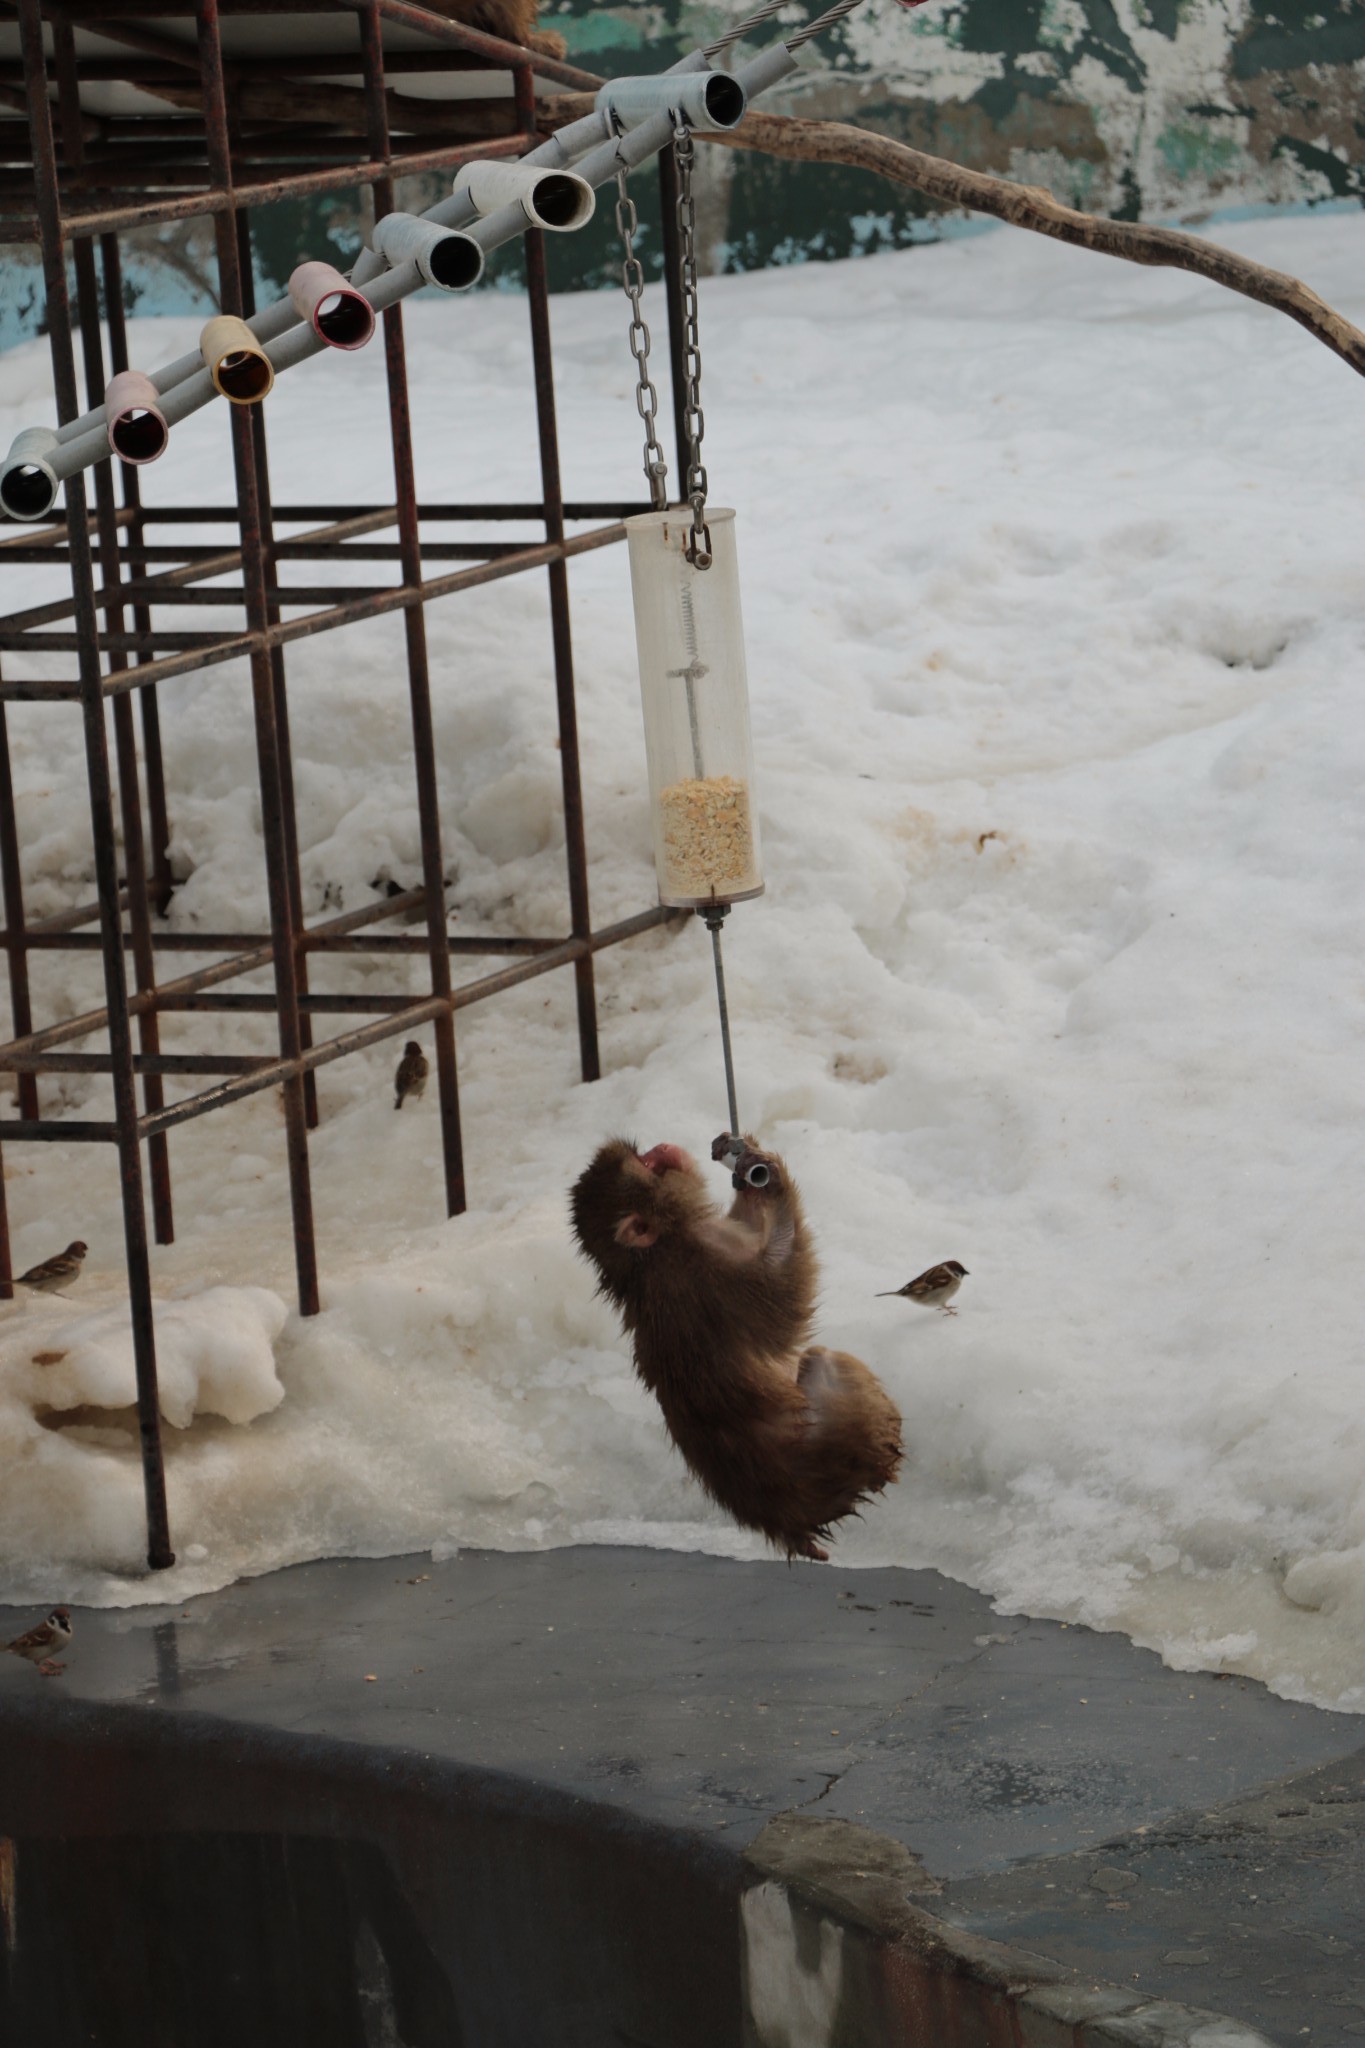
(787, 1436)
(513, 20)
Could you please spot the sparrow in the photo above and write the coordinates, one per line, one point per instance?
(411, 1076)
(934, 1289)
(53, 1276)
(41, 1644)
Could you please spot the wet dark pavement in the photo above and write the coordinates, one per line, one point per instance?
(1188, 1838)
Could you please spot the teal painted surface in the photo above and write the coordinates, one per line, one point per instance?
(1171, 109)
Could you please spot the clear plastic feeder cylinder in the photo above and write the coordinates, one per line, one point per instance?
(689, 633)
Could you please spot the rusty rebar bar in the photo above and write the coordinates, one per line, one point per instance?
(415, 638)
(48, 202)
(125, 742)
(263, 696)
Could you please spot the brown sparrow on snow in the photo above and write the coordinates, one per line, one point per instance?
(41, 1644)
(54, 1275)
(411, 1077)
(934, 1289)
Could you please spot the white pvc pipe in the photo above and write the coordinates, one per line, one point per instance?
(134, 422)
(446, 258)
(557, 152)
(709, 100)
(557, 200)
(83, 441)
(28, 482)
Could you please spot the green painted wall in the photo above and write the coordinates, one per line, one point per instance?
(1140, 108)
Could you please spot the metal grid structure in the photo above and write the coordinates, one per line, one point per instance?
(75, 191)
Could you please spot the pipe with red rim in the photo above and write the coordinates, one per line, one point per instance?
(337, 313)
(134, 420)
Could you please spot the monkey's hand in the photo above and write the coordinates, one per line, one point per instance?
(758, 1172)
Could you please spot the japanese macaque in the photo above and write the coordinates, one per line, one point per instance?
(787, 1436)
(513, 20)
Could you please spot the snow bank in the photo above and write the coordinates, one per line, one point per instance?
(68, 1414)
(1056, 618)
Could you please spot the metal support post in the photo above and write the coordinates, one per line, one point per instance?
(415, 629)
(47, 200)
(575, 838)
(125, 740)
(264, 707)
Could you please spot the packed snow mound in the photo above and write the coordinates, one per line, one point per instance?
(215, 1355)
(68, 1423)
(1055, 609)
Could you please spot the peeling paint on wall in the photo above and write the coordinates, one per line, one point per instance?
(1167, 109)
(1138, 108)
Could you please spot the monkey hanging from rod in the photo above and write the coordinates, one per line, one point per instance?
(787, 1436)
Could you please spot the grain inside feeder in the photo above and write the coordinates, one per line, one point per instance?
(707, 839)
(694, 688)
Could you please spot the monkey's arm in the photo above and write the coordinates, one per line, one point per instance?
(764, 1218)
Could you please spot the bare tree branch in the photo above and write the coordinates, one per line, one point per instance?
(1025, 206)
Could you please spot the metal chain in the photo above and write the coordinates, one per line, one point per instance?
(699, 542)
(646, 397)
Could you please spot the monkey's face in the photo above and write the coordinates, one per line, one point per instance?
(628, 1204)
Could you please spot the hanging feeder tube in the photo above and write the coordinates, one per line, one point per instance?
(76, 450)
(689, 636)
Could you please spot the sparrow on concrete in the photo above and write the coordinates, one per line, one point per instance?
(411, 1077)
(41, 1644)
(934, 1289)
(54, 1276)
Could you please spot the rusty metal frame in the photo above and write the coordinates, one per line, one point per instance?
(125, 652)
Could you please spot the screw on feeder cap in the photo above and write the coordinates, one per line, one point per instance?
(337, 313)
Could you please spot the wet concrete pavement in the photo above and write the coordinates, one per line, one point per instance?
(1186, 1838)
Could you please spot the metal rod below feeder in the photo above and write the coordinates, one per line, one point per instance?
(715, 917)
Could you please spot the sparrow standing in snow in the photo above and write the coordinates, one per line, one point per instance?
(54, 1276)
(40, 1645)
(934, 1289)
(411, 1077)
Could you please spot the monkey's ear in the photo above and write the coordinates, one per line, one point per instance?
(635, 1234)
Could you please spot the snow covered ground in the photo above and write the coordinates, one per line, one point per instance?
(1056, 621)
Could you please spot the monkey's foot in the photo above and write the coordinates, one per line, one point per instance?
(726, 1146)
(807, 1547)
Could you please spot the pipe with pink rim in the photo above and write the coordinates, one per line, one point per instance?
(134, 420)
(338, 314)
